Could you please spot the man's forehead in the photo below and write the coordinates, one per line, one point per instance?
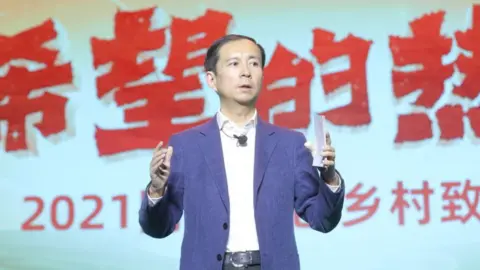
(239, 48)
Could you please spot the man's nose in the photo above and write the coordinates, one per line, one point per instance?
(246, 71)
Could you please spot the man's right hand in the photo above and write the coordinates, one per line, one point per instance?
(159, 170)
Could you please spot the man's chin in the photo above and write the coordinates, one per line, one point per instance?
(246, 101)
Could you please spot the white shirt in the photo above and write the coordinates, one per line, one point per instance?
(239, 166)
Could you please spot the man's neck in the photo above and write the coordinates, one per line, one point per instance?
(239, 115)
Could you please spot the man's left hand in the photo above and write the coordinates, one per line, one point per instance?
(328, 153)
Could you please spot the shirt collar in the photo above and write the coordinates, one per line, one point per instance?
(226, 124)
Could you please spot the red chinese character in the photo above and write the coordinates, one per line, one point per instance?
(286, 65)
(469, 88)
(474, 115)
(470, 196)
(450, 121)
(468, 41)
(191, 39)
(161, 105)
(24, 92)
(132, 36)
(359, 204)
(412, 51)
(401, 203)
(325, 48)
(159, 111)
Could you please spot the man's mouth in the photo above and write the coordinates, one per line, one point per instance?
(246, 86)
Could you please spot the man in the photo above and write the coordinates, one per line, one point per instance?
(239, 178)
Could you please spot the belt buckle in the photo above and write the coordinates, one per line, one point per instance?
(233, 261)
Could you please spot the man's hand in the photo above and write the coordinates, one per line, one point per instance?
(328, 154)
(159, 170)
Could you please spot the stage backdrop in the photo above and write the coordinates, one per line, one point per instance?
(88, 88)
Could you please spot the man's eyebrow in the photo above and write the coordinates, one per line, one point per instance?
(250, 57)
(233, 58)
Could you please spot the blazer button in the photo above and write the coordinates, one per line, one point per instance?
(225, 226)
(219, 257)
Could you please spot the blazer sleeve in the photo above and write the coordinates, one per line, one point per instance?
(315, 202)
(160, 220)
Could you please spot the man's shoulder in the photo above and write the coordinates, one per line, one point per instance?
(286, 133)
(189, 133)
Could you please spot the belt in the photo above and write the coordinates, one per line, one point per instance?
(242, 259)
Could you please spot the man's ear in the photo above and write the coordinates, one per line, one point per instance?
(212, 80)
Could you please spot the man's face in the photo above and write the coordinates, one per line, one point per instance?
(239, 72)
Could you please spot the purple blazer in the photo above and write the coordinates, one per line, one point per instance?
(284, 181)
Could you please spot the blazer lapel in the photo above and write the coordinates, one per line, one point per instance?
(265, 143)
(211, 146)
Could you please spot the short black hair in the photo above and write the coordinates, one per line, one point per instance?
(211, 59)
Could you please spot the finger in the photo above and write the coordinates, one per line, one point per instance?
(164, 167)
(161, 172)
(159, 155)
(168, 155)
(160, 152)
(327, 162)
(328, 148)
(157, 163)
(161, 169)
(159, 146)
(328, 140)
(158, 158)
(328, 154)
